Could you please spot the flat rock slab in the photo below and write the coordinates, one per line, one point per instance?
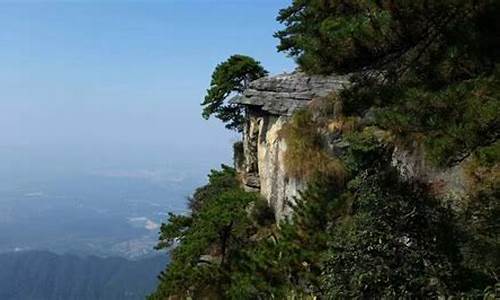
(286, 93)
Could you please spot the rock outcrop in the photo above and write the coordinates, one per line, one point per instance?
(283, 94)
(412, 164)
(269, 103)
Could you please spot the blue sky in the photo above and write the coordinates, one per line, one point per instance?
(111, 83)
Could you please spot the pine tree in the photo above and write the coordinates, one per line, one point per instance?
(230, 78)
(207, 241)
(428, 70)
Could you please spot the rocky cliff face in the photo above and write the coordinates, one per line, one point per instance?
(270, 102)
(450, 182)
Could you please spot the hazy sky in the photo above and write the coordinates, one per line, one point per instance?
(105, 83)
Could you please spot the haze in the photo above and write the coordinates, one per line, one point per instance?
(93, 92)
(90, 85)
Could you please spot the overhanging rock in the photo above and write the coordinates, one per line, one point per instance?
(283, 94)
(270, 101)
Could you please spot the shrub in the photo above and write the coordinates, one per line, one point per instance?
(305, 153)
(262, 214)
(397, 242)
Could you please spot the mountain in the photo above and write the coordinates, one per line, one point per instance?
(30, 275)
(371, 172)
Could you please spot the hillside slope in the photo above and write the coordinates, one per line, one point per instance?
(44, 275)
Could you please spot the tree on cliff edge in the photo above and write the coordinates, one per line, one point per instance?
(230, 78)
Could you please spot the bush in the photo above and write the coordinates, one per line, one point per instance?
(305, 153)
(397, 242)
(262, 214)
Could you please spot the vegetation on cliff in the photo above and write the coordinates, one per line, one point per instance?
(429, 69)
(212, 240)
(425, 72)
(304, 140)
(230, 78)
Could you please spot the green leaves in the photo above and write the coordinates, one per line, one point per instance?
(456, 120)
(210, 240)
(175, 229)
(347, 36)
(397, 242)
(431, 66)
(230, 78)
(426, 72)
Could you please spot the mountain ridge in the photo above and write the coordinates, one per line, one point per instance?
(46, 275)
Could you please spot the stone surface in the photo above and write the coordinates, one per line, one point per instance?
(251, 131)
(411, 164)
(276, 186)
(283, 94)
(270, 101)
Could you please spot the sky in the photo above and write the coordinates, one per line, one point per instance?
(117, 85)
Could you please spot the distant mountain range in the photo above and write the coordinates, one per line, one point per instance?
(41, 275)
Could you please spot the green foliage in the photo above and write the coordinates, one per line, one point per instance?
(218, 182)
(456, 120)
(210, 240)
(175, 229)
(305, 236)
(453, 37)
(287, 262)
(373, 236)
(365, 151)
(230, 78)
(452, 122)
(262, 214)
(396, 243)
(427, 68)
(480, 219)
(489, 156)
(427, 72)
(482, 226)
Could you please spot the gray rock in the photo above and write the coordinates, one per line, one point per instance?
(451, 182)
(284, 94)
(270, 102)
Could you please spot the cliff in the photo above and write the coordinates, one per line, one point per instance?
(271, 101)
